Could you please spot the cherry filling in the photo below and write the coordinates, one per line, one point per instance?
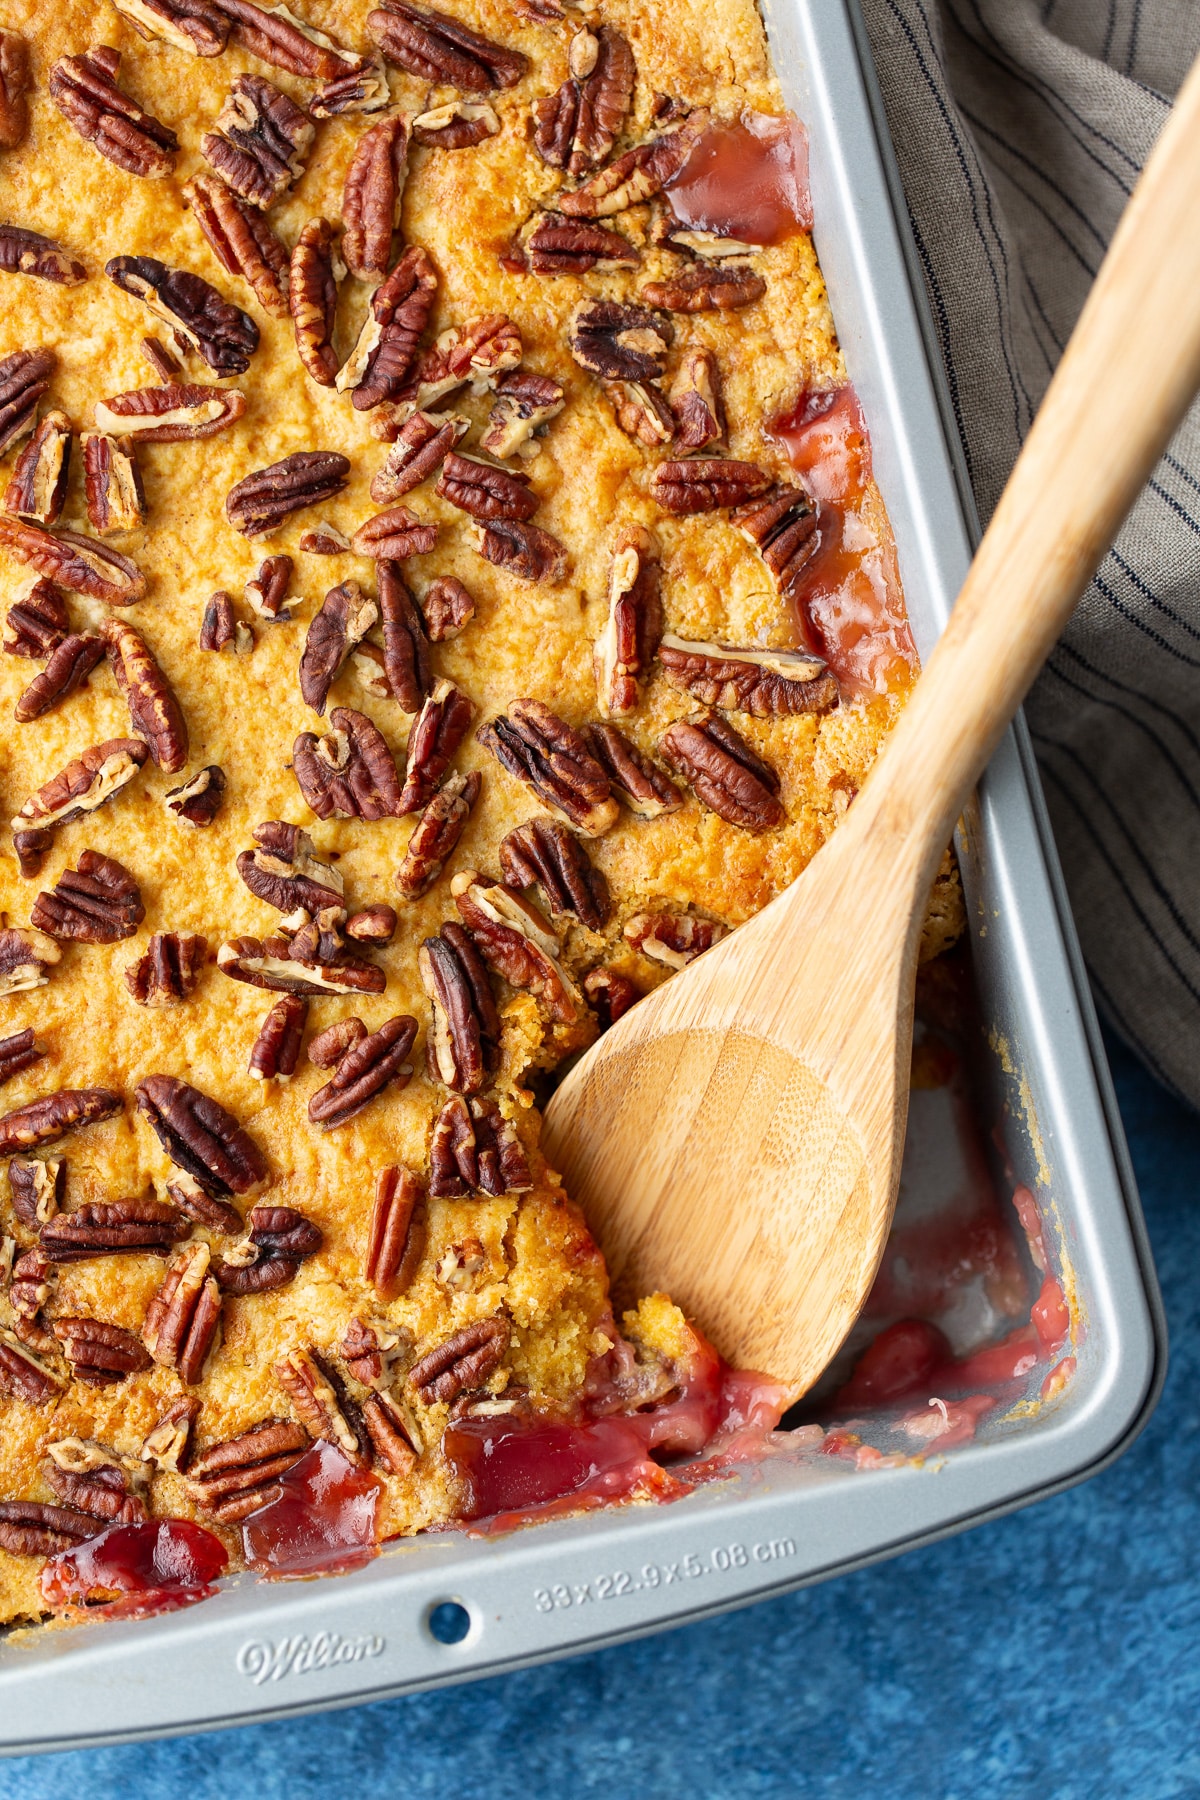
(323, 1519)
(898, 1361)
(747, 181)
(132, 1571)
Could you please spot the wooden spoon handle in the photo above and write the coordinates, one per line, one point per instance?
(1124, 383)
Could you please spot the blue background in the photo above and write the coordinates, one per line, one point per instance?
(1052, 1654)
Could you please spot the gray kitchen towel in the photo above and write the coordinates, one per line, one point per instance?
(1020, 127)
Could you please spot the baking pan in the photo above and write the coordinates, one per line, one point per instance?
(262, 1651)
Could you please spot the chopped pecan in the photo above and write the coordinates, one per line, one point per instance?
(31, 1528)
(200, 1136)
(154, 712)
(68, 668)
(259, 141)
(373, 925)
(439, 729)
(23, 1375)
(164, 415)
(97, 1480)
(261, 501)
(324, 540)
(371, 196)
(26, 958)
(36, 1189)
(637, 175)
(675, 939)
(447, 608)
(277, 36)
(457, 1267)
(394, 535)
(37, 624)
(24, 378)
(280, 1239)
(525, 405)
(378, 368)
(642, 412)
(636, 781)
(312, 300)
(74, 561)
(436, 833)
(578, 125)
(462, 1361)
(14, 85)
(267, 591)
(711, 246)
(285, 872)
(396, 1235)
(97, 903)
(221, 629)
(557, 245)
(610, 995)
(463, 1047)
(202, 1209)
(33, 1279)
(168, 969)
(706, 287)
(405, 645)
(182, 1318)
(784, 527)
(45, 1120)
(544, 853)
(322, 1403)
(99, 1353)
(242, 240)
(705, 483)
(481, 353)
(113, 1228)
(619, 342)
(20, 1051)
(29, 253)
(419, 448)
(765, 683)
(276, 1049)
(516, 940)
(543, 751)
(456, 124)
(168, 1442)
(222, 334)
(326, 1050)
(526, 551)
(343, 619)
(723, 771)
(372, 1065)
(234, 1478)
(625, 648)
(391, 1433)
(484, 489)
(436, 47)
(361, 90)
(85, 784)
(274, 964)
(696, 401)
(85, 91)
(198, 800)
(38, 485)
(350, 773)
(197, 26)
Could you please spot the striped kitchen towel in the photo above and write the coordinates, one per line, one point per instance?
(1020, 127)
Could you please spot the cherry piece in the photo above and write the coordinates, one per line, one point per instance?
(323, 1519)
(132, 1571)
(747, 181)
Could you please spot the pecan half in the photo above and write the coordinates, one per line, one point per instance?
(36, 625)
(168, 1443)
(378, 368)
(327, 1048)
(182, 1318)
(97, 903)
(405, 646)
(154, 712)
(350, 773)
(99, 1353)
(556, 245)
(396, 1234)
(463, 1047)
(20, 1051)
(619, 342)
(26, 958)
(705, 483)
(274, 964)
(436, 833)
(440, 728)
(85, 91)
(221, 629)
(637, 175)
(361, 90)
(436, 47)
(343, 619)
(38, 485)
(395, 535)
(675, 939)
(784, 528)
(706, 287)
(80, 788)
(98, 1481)
(68, 668)
(116, 499)
(544, 853)
(261, 501)
(36, 1189)
(29, 253)
(197, 26)
(312, 300)
(276, 1049)
(578, 125)
(372, 1065)
(544, 752)
(625, 648)
(234, 1478)
(267, 591)
(31, 1528)
(391, 1432)
(525, 405)
(610, 995)
(200, 1136)
(322, 1402)
(24, 378)
(525, 551)
(276, 36)
(242, 240)
(371, 196)
(480, 352)
(723, 771)
(259, 141)
(14, 85)
(696, 401)
(24, 1376)
(447, 608)
(113, 1228)
(280, 1239)
(168, 970)
(517, 942)
(642, 412)
(198, 800)
(462, 1361)
(456, 125)
(418, 450)
(198, 316)
(766, 683)
(637, 782)
(204, 1209)
(164, 415)
(74, 561)
(485, 490)
(285, 872)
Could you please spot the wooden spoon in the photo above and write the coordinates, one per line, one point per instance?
(735, 1139)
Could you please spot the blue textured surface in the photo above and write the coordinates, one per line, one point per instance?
(1052, 1654)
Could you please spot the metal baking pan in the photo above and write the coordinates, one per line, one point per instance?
(261, 1651)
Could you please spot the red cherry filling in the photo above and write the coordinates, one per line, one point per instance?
(747, 181)
(323, 1519)
(131, 1571)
